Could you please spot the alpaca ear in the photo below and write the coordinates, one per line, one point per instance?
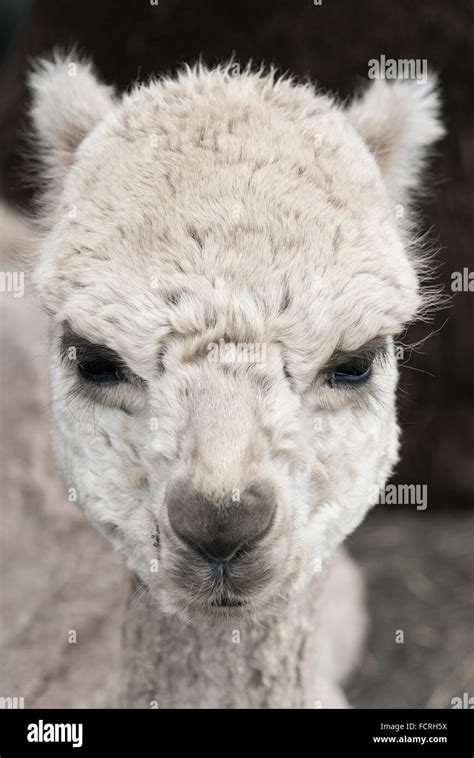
(67, 102)
(399, 122)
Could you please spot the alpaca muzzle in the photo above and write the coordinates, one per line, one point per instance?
(220, 529)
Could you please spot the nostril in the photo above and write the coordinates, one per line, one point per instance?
(217, 551)
(221, 554)
(220, 530)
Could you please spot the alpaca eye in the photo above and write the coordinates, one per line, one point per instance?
(100, 371)
(353, 371)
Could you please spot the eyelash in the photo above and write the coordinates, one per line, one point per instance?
(124, 392)
(354, 371)
(100, 377)
(104, 375)
(369, 362)
(113, 375)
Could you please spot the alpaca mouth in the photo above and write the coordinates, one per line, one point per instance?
(227, 602)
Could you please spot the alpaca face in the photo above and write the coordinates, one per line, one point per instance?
(225, 277)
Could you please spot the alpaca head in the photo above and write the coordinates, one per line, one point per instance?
(225, 271)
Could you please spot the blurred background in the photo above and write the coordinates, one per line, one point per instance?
(56, 573)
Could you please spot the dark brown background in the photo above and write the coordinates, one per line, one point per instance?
(332, 44)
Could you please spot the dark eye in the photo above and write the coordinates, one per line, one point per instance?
(100, 371)
(354, 371)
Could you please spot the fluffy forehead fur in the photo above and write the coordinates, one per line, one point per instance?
(244, 208)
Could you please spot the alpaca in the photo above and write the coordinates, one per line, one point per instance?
(226, 261)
